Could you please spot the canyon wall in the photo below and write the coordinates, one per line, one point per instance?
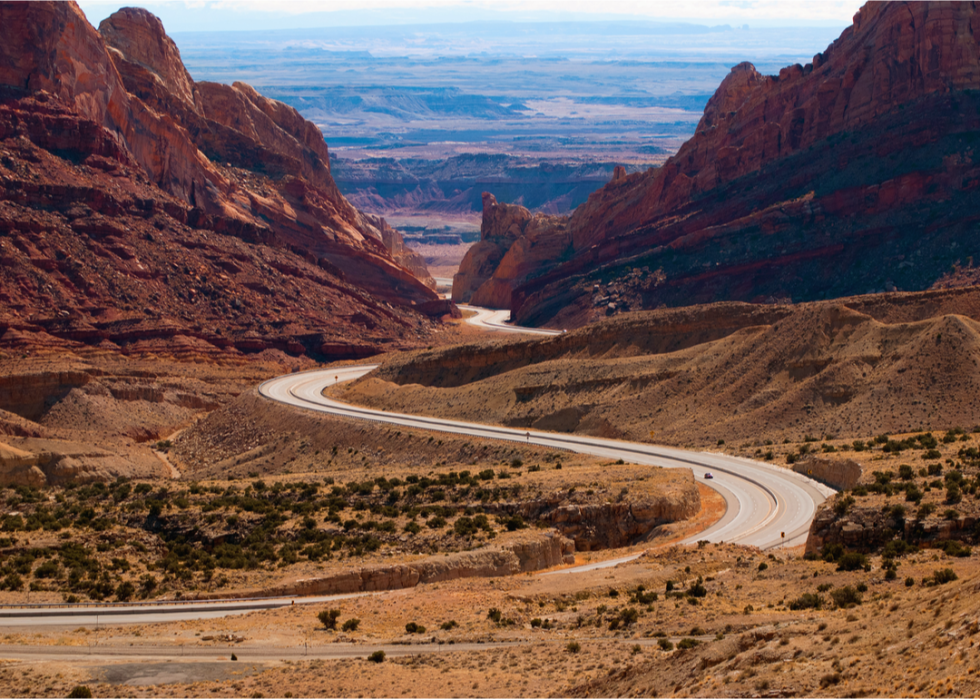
(140, 206)
(850, 174)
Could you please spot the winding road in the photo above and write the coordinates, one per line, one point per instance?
(767, 506)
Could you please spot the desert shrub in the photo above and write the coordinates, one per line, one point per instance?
(494, 615)
(377, 656)
(628, 616)
(942, 576)
(80, 691)
(807, 600)
(827, 680)
(686, 643)
(697, 589)
(412, 627)
(12, 582)
(952, 547)
(842, 504)
(328, 617)
(437, 522)
(464, 526)
(573, 647)
(897, 547)
(125, 591)
(953, 494)
(846, 596)
(512, 524)
(48, 569)
(909, 581)
(763, 566)
(852, 560)
(665, 644)
(449, 625)
(351, 625)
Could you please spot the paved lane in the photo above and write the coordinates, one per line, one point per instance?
(767, 506)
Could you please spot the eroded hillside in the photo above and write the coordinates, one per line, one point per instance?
(137, 204)
(852, 173)
(694, 376)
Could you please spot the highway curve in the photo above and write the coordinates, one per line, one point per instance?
(766, 506)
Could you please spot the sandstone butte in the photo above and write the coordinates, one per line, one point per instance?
(140, 206)
(853, 173)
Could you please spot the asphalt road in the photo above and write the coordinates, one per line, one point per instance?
(767, 506)
(489, 319)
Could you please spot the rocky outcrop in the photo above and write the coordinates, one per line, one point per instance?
(867, 529)
(841, 474)
(19, 467)
(594, 526)
(666, 330)
(47, 462)
(793, 182)
(529, 554)
(135, 201)
(502, 226)
(513, 242)
(29, 394)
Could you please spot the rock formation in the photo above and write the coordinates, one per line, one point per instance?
(531, 553)
(867, 529)
(138, 205)
(840, 474)
(19, 467)
(855, 172)
(513, 243)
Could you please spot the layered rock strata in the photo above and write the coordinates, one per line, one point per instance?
(527, 555)
(855, 172)
(137, 205)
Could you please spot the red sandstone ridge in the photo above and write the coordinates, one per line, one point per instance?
(508, 248)
(131, 193)
(853, 173)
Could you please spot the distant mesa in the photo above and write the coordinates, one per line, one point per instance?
(141, 206)
(853, 173)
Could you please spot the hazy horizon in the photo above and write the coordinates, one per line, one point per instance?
(181, 16)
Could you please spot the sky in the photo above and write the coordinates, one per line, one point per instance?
(251, 15)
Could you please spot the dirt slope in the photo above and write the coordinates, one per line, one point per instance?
(854, 367)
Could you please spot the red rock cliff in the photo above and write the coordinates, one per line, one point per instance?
(793, 184)
(137, 205)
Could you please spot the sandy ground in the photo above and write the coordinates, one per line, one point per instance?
(881, 647)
